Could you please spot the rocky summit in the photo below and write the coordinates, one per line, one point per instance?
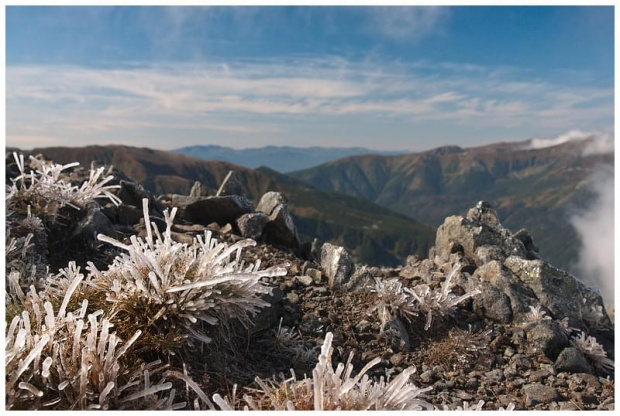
(481, 318)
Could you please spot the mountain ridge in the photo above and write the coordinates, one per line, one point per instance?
(535, 189)
(280, 158)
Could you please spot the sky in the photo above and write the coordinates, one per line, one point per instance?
(386, 78)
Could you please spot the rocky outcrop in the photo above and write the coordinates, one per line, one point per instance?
(509, 273)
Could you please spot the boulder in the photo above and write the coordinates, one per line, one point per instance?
(556, 290)
(548, 336)
(471, 235)
(539, 393)
(504, 298)
(252, 225)
(270, 201)
(220, 209)
(132, 193)
(280, 228)
(129, 214)
(571, 360)
(485, 213)
(92, 223)
(337, 264)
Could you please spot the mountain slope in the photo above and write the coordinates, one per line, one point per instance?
(537, 189)
(373, 233)
(278, 158)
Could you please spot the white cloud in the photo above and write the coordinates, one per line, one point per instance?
(598, 142)
(596, 228)
(410, 23)
(257, 96)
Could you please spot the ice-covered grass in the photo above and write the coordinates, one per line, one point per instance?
(182, 286)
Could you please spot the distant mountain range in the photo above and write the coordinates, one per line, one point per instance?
(279, 158)
(536, 189)
(374, 234)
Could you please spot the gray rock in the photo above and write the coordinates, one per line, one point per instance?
(315, 274)
(548, 336)
(280, 228)
(304, 280)
(252, 225)
(132, 193)
(531, 250)
(337, 264)
(504, 298)
(536, 393)
(483, 212)
(556, 290)
(428, 376)
(220, 209)
(128, 214)
(496, 375)
(473, 234)
(360, 278)
(92, 223)
(270, 201)
(363, 326)
(268, 318)
(571, 360)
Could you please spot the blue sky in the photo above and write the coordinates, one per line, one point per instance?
(389, 78)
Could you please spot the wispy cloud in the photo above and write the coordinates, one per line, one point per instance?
(258, 96)
(408, 23)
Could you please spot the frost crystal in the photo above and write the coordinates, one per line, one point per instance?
(593, 350)
(184, 284)
(330, 389)
(44, 188)
(404, 303)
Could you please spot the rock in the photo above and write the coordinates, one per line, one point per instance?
(531, 250)
(538, 393)
(129, 215)
(132, 193)
(363, 326)
(496, 375)
(252, 225)
(181, 238)
(504, 298)
(548, 336)
(427, 377)
(268, 317)
(472, 234)
(397, 359)
(280, 228)
(304, 280)
(311, 250)
(571, 360)
(315, 274)
(360, 278)
(337, 264)
(270, 201)
(395, 333)
(92, 223)
(292, 297)
(220, 209)
(556, 290)
(483, 212)
(226, 229)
